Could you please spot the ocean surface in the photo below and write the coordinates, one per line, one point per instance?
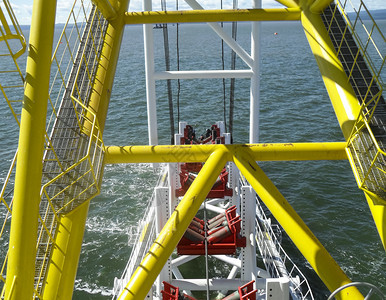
(294, 108)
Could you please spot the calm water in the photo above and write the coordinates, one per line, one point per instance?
(294, 108)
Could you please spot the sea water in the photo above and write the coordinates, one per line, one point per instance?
(294, 107)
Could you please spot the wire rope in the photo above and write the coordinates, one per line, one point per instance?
(178, 68)
(223, 67)
(167, 67)
(233, 80)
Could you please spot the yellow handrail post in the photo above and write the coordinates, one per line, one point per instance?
(148, 270)
(23, 233)
(321, 261)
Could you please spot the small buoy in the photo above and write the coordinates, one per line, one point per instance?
(275, 33)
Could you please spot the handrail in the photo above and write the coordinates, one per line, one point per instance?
(366, 284)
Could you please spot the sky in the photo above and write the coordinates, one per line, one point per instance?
(23, 8)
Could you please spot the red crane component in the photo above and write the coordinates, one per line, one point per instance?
(222, 236)
(247, 292)
(169, 292)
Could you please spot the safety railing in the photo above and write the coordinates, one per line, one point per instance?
(80, 181)
(361, 47)
(277, 262)
(13, 45)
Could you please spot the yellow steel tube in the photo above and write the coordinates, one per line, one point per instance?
(68, 243)
(199, 153)
(341, 93)
(145, 275)
(321, 261)
(106, 9)
(378, 212)
(103, 83)
(23, 234)
(319, 5)
(289, 3)
(204, 16)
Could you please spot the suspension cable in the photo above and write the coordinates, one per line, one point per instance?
(223, 80)
(233, 80)
(178, 68)
(168, 81)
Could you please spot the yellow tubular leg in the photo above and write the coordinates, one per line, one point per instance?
(323, 264)
(23, 235)
(144, 276)
(103, 83)
(341, 93)
(379, 215)
(60, 280)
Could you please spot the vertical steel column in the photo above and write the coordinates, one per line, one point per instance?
(150, 80)
(161, 216)
(25, 211)
(248, 214)
(255, 80)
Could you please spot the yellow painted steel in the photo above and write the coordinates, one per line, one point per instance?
(379, 215)
(204, 16)
(103, 83)
(61, 275)
(319, 5)
(338, 87)
(321, 261)
(199, 153)
(6, 32)
(70, 235)
(289, 3)
(148, 270)
(23, 233)
(106, 9)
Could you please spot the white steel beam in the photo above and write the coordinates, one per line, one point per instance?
(150, 81)
(182, 260)
(213, 208)
(162, 215)
(226, 38)
(248, 253)
(215, 284)
(199, 74)
(255, 80)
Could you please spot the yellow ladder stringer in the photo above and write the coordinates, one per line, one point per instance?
(363, 63)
